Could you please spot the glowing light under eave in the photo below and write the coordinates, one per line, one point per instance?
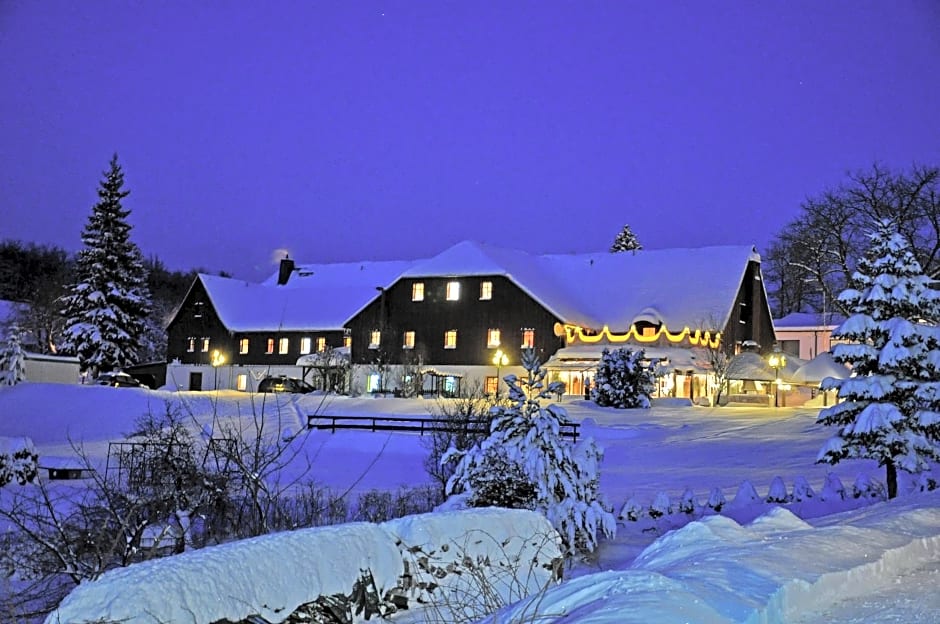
(698, 338)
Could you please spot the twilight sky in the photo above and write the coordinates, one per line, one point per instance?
(389, 130)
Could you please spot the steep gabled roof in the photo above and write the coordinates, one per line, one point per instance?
(682, 287)
(317, 296)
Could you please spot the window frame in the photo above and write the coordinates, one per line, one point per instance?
(450, 339)
(486, 290)
(528, 338)
(493, 338)
(417, 291)
(283, 346)
(269, 346)
(375, 339)
(243, 345)
(452, 291)
(408, 340)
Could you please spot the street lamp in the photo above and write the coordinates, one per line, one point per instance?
(499, 360)
(218, 359)
(777, 360)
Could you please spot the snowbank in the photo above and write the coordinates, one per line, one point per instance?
(271, 576)
(268, 576)
(772, 570)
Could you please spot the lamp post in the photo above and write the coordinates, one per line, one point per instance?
(499, 360)
(218, 359)
(777, 360)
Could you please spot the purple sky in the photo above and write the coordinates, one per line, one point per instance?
(381, 130)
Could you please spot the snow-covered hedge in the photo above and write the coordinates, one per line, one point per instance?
(274, 575)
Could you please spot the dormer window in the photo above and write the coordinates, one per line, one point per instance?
(197, 309)
(453, 291)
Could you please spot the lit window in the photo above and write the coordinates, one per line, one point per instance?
(486, 290)
(375, 339)
(190, 344)
(417, 291)
(528, 338)
(347, 341)
(197, 309)
(453, 291)
(408, 341)
(305, 345)
(241, 382)
(649, 332)
(270, 347)
(491, 385)
(492, 338)
(205, 345)
(321, 344)
(450, 339)
(282, 346)
(243, 346)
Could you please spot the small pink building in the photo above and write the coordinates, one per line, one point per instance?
(806, 335)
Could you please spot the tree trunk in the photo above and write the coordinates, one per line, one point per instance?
(892, 478)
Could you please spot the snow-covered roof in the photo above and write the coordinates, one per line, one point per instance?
(808, 321)
(586, 356)
(751, 366)
(686, 287)
(820, 367)
(317, 296)
(678, 287)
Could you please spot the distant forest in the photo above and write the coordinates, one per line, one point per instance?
(37, 275)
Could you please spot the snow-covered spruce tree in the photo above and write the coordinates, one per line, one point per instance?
(12, 359)
(106, 308)
(626, 241)
(890, 408)
(547, 474)
(622, 380)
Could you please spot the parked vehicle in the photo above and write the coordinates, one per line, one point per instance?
(284, 384)
(118, 379)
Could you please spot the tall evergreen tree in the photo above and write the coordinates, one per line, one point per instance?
(890, 409)
(626, 241)
(12, 359)
(107, 306)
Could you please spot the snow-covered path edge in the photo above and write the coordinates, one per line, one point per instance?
(798, 597)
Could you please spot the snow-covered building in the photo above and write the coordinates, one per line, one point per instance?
(806, 335)
(465, 315)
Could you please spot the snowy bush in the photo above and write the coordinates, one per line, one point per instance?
(716, 499)
(18, 461)
(623, 380)
(631, 510)
(746, 495)
(890, 407)
(802, 490)
(527, 436)
(832, 488)
(12, 359)
(686, 502)
(661, 506)
(778, 491)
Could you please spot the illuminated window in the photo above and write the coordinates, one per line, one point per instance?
(243, 346)
(450, 339)
(375, 339)
(528, 338)
(347, 341)
(241, 382)
(282, 345)
(321, 344)
(492, 338)
(408, 341)
(417, 291)
(269, 349)
(490, 385)
(453, 291)
(649, 332)
(205, 345)
(486, 290)
(305, 345)
(190, 344)
(197, 309)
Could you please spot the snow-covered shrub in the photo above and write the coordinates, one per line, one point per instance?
(18, 461)
(563, 478)
(12, 359)
(500, 482)
(890, 408)
(687, 504)
(716, 499)
(802, 490)
(631, 510)
(926, 482)
(833, 488)
(866, 487)
(661, 505)
(746, 495)
(623, 380)
(778, 491)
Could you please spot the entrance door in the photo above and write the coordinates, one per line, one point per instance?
(195, 382)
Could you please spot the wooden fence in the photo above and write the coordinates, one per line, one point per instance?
(414, 424)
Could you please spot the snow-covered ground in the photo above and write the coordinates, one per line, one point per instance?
(781, 568)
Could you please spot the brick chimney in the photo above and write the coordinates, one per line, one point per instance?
(283, 274)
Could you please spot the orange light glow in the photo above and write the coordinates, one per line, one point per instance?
(698, 338)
